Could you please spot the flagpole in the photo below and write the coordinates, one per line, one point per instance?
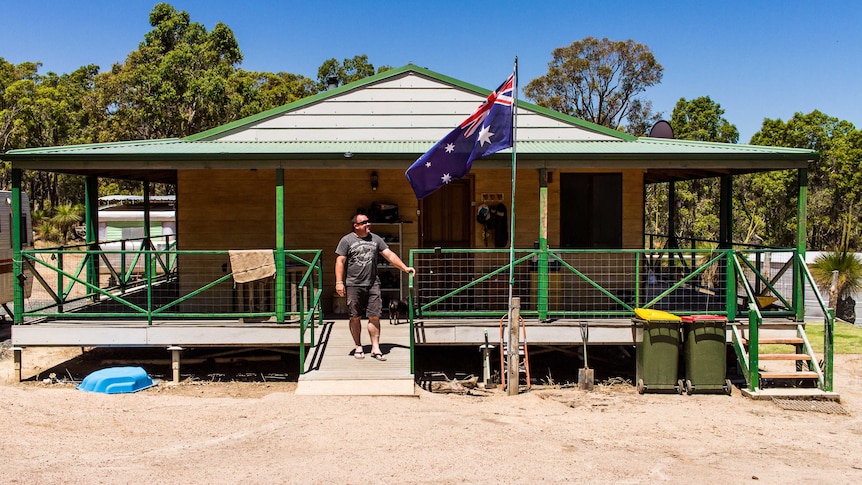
(513, 352)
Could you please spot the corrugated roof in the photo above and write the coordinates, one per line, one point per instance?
(158, 160)
(646, 148)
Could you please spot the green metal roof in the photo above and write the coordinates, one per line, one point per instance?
(158, 160)
(649, 149)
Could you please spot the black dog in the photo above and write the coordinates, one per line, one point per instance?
(397, 310)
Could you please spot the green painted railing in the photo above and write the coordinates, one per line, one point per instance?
(750, 360)
(828, 330)
(159, 283)
(570, 283)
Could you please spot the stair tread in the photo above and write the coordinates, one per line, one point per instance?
(789, 375)
(784, 357)
(788, 340)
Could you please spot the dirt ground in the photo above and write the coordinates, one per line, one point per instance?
(261, 432)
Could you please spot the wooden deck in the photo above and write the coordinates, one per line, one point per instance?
(231, 333)
(332, 369)
(137, 333)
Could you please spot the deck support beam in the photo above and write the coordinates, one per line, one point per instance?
(175, 362)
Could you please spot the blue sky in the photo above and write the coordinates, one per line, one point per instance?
(758, 59)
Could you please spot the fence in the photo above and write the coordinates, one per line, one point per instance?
(156, 281)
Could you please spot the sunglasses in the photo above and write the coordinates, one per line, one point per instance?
(363, 223)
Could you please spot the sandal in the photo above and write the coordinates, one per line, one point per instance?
(377, 356)
(358, 355)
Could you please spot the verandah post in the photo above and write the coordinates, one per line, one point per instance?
(91, 224)
(279, 247)
(149, 270)
(17, 262)
(725, 239)
(801, 232)
(542, 267)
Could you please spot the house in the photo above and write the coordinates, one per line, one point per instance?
(296, 174)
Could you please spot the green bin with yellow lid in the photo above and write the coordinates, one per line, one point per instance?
(657, 334)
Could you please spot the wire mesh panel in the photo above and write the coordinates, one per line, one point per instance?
(570, 283)
(685, 281)
(770, 275)
(158, 283)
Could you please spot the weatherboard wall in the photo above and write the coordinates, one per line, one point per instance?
(410, 107)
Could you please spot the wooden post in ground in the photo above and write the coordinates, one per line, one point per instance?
(175, 362)
(16, 353)
(513, 379)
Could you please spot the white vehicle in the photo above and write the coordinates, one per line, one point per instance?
(7, 278)
(123, 218)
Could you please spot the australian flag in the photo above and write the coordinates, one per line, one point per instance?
(488, 130)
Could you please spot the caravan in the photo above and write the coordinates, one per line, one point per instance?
(6, 275)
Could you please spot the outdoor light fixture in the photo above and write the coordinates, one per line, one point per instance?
(374, 181)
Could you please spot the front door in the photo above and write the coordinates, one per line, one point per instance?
(446, 222)
(445, 216)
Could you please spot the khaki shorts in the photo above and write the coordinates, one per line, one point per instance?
(364, 299)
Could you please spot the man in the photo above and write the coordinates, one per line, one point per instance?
(357, 252)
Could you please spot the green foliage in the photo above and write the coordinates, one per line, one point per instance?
(697, 200)
(701, 119)
(597, 80)
(348, 71)
(641, 118)
(834, 182)
(65, 218)
(849, 267)
(48, 232)
(176, 82)
(180, 80)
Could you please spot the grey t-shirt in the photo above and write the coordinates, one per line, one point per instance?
(361, 256)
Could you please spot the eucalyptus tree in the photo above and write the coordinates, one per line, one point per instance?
(176, 82)
(597, 80)
(346, 71)
(834, 182)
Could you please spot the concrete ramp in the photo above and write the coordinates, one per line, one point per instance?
(333, 370)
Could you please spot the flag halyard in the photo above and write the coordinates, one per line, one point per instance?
(488, 130)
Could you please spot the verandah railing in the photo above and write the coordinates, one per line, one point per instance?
(582, 283)
(566, 284)
(158, 282)
(152, 280)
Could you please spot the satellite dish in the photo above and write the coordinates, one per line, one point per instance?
(661, 129)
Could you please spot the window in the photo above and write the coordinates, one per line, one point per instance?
(591, 210)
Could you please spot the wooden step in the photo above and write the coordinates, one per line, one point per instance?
(789, 375)
(784, 357)
(788, 341)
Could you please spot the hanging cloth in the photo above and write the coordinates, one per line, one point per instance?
(501, 226)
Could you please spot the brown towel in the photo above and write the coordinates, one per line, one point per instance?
(252, 265)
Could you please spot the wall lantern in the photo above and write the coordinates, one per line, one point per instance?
(374, 181)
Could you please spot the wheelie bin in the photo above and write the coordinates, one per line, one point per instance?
(657, 334)
(705, 354)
